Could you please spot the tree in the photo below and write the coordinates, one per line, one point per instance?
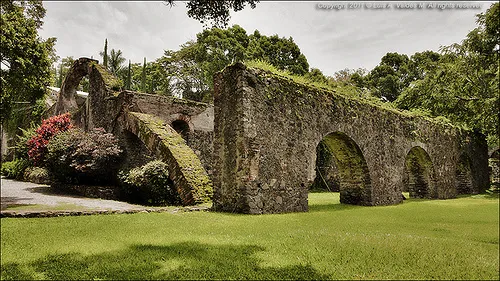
(143, 77)
(281, 52)
(64, 66)
(116, 61)
(26, 59)
(129, 77)
(463, 85)
(104, 54)
(198, 61)
(213, 12)
(390, 77)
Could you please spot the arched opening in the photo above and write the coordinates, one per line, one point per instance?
(494, 163)
(463, 175)
(182, 128)
(418, 173)
(340, 166)
(327, 173)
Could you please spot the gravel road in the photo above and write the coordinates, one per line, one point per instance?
(17, 193)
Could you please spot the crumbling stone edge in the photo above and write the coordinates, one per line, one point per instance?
(47, 214)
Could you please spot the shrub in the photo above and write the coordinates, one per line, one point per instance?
(22, 141)
(150, 184)
(75, 156)
(14, 169)
(37, 175)
(50, 127)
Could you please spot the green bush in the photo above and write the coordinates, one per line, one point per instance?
(22, 141)
(150, 184)
(78, 157)
(15, 169)
(37, 175)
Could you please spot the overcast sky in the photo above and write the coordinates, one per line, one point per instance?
(331, 38)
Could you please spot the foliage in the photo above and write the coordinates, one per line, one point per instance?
(26, 59)
(192, 68)
(14, 169)
(104, 54)
(215, 13)
(463, 84)
(37, 175)
(453, 239)
(22, 147)
(143, 76)
(152, 184)
(280, 52)
(116, 60)
(50, 127)
(128, 79)
(75, 156)
(311, 80)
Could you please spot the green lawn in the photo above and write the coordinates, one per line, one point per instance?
(419, 239)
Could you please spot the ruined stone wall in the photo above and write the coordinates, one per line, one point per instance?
(199, 116)
(185, 169)
(267, 129)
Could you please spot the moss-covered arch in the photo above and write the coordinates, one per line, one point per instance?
(419, 176)
(463, 175)
(353, 173)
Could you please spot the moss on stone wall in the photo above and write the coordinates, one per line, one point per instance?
(188, 173)
(347, 94)
(112, 82)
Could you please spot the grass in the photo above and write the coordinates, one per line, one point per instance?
(352, 93)
(42, 207)
(419, 239)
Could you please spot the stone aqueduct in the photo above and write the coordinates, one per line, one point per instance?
(256, 146)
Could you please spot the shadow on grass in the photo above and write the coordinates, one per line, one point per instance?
(192, 261)
(8, 202)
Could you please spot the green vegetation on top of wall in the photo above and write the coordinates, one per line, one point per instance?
(187, 161)
(347, 93)
(112, 82)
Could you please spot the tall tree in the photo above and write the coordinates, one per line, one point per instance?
(104, 54)
(216, 48)
(26, 59)
(143, 76)
(214, 13)
(281, 52)
(129, 77)
(464, 85)
(390, 77)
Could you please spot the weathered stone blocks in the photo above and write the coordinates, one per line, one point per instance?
(267, 129)
(186, 171)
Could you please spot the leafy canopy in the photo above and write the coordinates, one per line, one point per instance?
(215, 13)
(462, 84)
(26, 59)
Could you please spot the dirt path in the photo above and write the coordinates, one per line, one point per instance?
(19, 196)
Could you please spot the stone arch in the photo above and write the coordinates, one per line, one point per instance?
(185, 168)
(419, 173)
(463, 175)
(353, 173)
(182, 128)
(67, 94)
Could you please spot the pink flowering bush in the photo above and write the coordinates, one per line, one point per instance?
(37, 145)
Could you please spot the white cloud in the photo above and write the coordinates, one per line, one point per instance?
(331, 40)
